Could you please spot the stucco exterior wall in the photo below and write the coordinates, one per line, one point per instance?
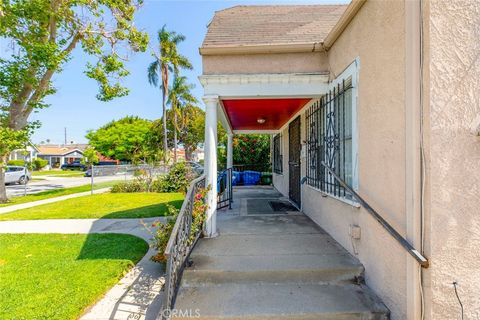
(376, 36)
(265, 63)
(452, 87)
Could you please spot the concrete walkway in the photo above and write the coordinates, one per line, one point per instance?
(138, 294)
(31, 204)
(272, 262)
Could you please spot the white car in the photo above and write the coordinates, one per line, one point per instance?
(16, 174)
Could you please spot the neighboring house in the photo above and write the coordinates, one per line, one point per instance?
(58, 155)
(28, 154)
(198, 155)
(383, 92)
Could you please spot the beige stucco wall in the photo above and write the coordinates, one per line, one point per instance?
(265, 63)
(453, 180)
(376, 37)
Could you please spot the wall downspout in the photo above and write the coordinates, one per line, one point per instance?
(413, 153)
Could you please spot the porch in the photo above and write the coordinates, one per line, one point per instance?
(270, 261)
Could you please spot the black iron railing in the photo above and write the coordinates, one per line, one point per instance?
(224, 189)
(423, 261)
(179, 246)
(277, 154)
(329, 139)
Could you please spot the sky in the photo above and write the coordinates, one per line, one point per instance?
(74, 105)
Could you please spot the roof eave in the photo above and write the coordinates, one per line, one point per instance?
(342, 23)
(262, 48)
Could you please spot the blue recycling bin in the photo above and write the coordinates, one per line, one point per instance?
(236, 178)
(251, 178)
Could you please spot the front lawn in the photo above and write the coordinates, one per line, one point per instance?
(63, 173)
(105, 205)
(56, 193)
(57, 276)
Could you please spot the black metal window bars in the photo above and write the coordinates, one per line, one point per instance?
(277, 154)
(329, 140)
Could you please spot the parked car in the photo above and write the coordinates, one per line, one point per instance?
(88, 173)
(17, 174)
(196, 167)
(75, 165)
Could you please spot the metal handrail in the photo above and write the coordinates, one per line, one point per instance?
(180, 246)
(422, 260)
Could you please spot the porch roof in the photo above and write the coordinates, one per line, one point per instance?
(270, 26)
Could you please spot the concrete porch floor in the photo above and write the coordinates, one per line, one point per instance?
(268, 264)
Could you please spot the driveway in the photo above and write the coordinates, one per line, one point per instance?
(51, 183)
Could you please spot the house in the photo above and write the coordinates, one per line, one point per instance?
(56, 155)
(29, 153)
(385, 95)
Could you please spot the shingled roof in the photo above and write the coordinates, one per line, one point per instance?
(271, 25)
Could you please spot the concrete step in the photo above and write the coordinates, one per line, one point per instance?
(280, 301)
(295, 268)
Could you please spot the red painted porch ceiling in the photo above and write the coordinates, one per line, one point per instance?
(243, 114)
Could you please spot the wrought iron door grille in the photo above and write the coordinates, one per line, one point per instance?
(277, 154)
(329, 139)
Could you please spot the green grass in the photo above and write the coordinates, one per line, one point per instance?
(56, 193)
(63, 173)
(57, 276)
(105, 205)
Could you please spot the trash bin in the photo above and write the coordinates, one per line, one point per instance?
(251, 178)
(236, 178)
(266, 179)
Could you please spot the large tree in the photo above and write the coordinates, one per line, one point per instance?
(125, 139)
(167, 60)
(179, 96)
(41, 35)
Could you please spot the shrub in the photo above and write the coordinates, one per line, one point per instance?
(164, 229)
(129, 187)
(176, 180)
(20, 163)
(39, 164)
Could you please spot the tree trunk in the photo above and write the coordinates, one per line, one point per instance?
(175, 142)
(3, 189)
(165, 142)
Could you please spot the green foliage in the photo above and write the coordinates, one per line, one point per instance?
(20, 163)
(129, 187)
(44, 34)
(11, 139)
(39, 164)
(176, 180)
(90, 156)
(248, 149)
(61, 274)
(167, 60)
(123, 139)
(164, 229)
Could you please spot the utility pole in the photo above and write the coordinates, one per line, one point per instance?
(65, 134)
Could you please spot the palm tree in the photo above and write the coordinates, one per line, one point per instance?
(167, 60)
(179, 96)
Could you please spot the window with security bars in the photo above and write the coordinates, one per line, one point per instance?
(277, 154)
(329, 140)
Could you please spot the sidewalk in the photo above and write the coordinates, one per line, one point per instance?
(26, 205)
(138, 294)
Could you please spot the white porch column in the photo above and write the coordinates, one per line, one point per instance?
(230, 151)
(211, 103)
